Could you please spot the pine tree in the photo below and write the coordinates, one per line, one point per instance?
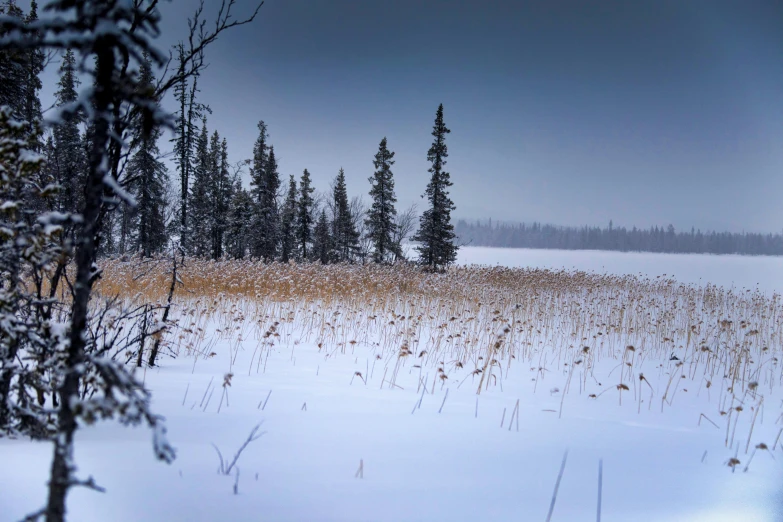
(199, 214)
(70, 154)
(304, 214)
(288, 242)
(436, 232)
(322, 241)
(381, 215)
(147, 181)
(345, 237)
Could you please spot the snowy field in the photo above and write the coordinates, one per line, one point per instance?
(386, 395)
(763, 272)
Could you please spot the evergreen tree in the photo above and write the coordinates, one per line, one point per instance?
(221, 194)
(200, 241)
(239, 224)
(381, 215)
(147, 181)
(345, 237)
(322, 241)
(288, 242)
(304, 214)
(258, 187)
(12, 69)
(34, 65)
(267, 227)
(185, 136)
(436, 233)
(70, 153)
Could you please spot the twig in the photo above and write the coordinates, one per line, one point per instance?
(254, 435)
(708, 420)
(264, 401)
(557, 486)
(600, 487)
(444, 400)
(205, 392)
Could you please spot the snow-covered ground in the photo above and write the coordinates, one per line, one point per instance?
(363, 427)
(723, 270)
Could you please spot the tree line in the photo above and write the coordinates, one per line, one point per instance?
(654, 239)
(278, 219)
(212, 215)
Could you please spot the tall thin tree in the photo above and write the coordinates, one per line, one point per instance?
(70, 156)
(304, 214)
(288, 223)
(200, 213)
(345, 237)
(322, 240)
(381, 215)
(147, 181)
(436, 232)
(259, 189)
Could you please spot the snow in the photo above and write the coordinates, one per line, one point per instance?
(764, 272)
(441, 460)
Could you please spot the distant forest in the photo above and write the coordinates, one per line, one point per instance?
(655, 239)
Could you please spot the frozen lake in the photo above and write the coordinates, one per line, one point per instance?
(726, 270)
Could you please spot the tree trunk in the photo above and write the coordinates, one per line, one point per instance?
(87, 243)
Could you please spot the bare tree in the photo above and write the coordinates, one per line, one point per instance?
(406, 223)
(358, 210)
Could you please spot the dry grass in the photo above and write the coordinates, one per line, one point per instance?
(474, 322)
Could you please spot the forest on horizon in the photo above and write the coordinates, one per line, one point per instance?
(654, 239)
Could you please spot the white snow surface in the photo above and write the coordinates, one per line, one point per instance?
(459, 464)
(763, 272)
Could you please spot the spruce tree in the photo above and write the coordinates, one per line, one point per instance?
(345, 237)
(381, 215)
(322, 241)
(268, 214)
(199, 214)
(436, 232)
(304, 215)
(239, 222)
(186, 131)
(70, 153)
(34, 65)
(147, 181)
(12, 69)
(258, 188)
(288, 224)
(220, 186)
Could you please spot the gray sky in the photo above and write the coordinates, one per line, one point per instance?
(568, 112)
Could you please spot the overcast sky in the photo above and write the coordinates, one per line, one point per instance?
(567, 112)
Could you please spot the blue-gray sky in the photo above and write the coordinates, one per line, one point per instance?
(568, 112)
